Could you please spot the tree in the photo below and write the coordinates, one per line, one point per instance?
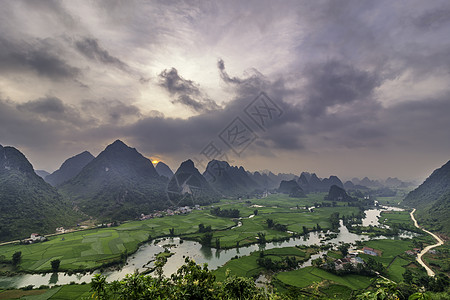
(261, 237)
(201, 228)
(408, 276)
(255, 212)
(344, 249)
(205, 240)
(172, 231)
(98, 286)
(159, 264)
(55, 265)
(269, 223)
(16, 258)
(305, 230)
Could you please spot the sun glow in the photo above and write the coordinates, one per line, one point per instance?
(155, 161)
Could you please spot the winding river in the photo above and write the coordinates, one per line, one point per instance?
(142, 259)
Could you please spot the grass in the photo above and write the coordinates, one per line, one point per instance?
(393, 256)
(396, 217)
(397, 268)
(65, 292)
(75, 292)
(247, 266)
(307, 276)
(294, 219)
(16, 294)
(439, 261)
(337, 291)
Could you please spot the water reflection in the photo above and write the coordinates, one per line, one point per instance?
(214, 258)
(207, 252)
(53, 279)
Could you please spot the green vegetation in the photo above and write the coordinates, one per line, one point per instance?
(396, 217)
(432, 201)
(307, 276)
(93, 248)
(248, 266)
(90, 249)
(191, 281)
(27, 203)
(439, 259)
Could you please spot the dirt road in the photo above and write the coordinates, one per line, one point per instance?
(427, 248)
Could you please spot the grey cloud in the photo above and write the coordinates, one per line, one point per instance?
(39, 57)
(110, 111)
(224, 75)
(44, 106)
(336, 83)
(433, 19)
(186, 91)
(91, 49)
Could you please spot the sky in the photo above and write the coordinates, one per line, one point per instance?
(349, 88)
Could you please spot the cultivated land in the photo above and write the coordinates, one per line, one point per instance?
(90, 249)
(72, 292)
(247, 266)
(307, 276)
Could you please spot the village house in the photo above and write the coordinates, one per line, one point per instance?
(354, 261)
(34, 238)
(371, 251)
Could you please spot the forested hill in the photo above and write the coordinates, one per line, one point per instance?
(119, 184)
(432, 200)
(27, 203)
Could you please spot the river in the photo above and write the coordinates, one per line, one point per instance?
(141, 260)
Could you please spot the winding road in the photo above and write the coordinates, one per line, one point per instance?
(427, 248)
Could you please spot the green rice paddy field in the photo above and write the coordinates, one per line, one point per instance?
(92, 248)
(66, 292)
(247, 266)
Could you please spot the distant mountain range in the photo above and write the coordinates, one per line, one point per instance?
(310, 183)
(432, 200)
(189, 187)
(121, 184)
(337, 193)
(69, 169)
(27, 203)
(292, 188)
(230, 180)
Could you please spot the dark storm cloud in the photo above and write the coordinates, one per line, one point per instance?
(336, 83)
(187, 92)
(91, 49)
(38, 56)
